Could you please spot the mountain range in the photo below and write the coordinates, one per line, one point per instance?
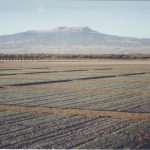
(72, 40)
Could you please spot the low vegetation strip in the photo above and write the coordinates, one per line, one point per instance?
(9, 69)
(40, 83)
(53, 71)
(68, 112)
(75, 79)
(11, 74)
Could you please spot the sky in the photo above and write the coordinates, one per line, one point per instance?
(125, 18)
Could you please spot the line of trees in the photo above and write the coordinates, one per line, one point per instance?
(50, 57)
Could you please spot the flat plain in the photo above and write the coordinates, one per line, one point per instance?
(89, 104)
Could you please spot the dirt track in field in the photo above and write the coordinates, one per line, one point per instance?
(68, 112)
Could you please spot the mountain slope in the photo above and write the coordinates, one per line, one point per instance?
(74, 40)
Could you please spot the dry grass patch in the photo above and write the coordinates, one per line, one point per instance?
(68, 112)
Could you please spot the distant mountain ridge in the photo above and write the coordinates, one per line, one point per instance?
(71, 40)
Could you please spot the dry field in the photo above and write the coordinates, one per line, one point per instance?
(92, 104)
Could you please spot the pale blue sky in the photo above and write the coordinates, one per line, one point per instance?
(127, 18)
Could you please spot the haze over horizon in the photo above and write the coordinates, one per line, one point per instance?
(122, 18)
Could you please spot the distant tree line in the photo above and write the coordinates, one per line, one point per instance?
(50, 57)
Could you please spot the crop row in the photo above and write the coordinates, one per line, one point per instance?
(136, 135)
(47, 133)
(99, 101)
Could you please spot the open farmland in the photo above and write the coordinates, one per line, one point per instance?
(91, 104)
